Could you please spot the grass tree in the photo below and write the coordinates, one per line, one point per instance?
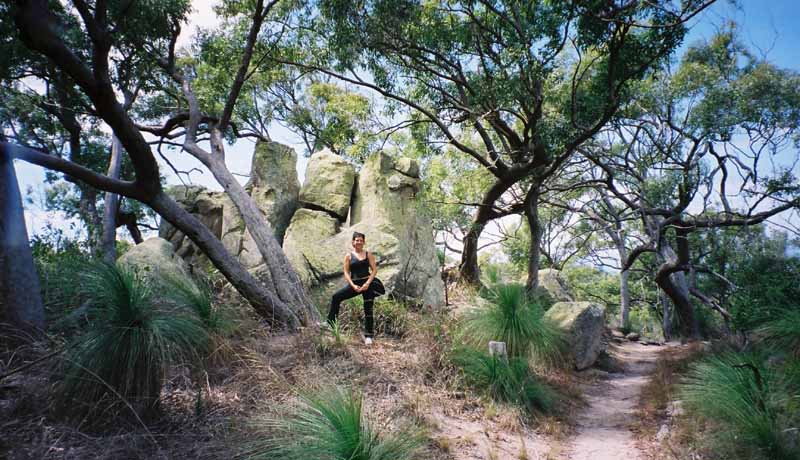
(129, 344)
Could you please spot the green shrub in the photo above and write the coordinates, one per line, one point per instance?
(510, 381)
(740, 392)
(783, 332)
(510, 316)
(390, 316)
(330, 425)
(129, 342)
(196, 295)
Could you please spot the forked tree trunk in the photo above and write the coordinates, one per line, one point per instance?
(20, 294)
(262, 299)
(280, 277)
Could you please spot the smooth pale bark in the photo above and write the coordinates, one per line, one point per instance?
(535, 228)
(280, 277)
(108, 241)
(265, 302)
(20, 293)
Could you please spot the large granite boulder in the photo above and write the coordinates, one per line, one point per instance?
(584, 323)
(400, 236)
(207, 206)
(328, 184)
(273, 183)
(155, 257)
(552, 287)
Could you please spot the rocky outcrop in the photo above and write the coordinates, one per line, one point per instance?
(584, 323)
(273, 185)
(155, 257)
(380, 201)
(328, 185)
(385, 210)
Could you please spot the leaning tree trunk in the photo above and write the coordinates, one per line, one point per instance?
(624, 297)
(108, 241)
(534, 252)
(264, 301)
(666, 318)
(468, 269)
(20, 293)
(279, 276)
(676, 287)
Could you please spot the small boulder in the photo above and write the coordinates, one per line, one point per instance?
(584, 323)
(553, 287)
(328, 185)
(632, 336)
(155, 258)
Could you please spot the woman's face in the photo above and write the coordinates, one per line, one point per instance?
(358, 243)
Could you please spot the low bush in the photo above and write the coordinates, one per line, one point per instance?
(391, 317)
(509, 315)
(128, 345)
(749, 399)
(510, 381)
(331, 425)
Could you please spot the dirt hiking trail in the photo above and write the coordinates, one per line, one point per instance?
(603, 431)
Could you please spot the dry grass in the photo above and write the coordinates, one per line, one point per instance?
(206, 414)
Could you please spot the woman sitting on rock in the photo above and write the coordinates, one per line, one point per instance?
(359, 271)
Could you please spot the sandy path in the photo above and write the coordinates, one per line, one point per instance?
(603, 432)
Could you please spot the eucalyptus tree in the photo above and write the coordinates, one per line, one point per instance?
(528, 81)
(86, 44)
(713, 145)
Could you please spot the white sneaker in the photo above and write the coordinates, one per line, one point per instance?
(368, 341)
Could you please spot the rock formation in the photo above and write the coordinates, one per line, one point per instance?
(384, 209)
(552, 286)
(273, 185)
(155, 257)
(380, 202)
(584, 323)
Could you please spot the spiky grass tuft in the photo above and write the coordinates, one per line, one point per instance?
(784, 332)
(746, 396)
(511, 316)
(330, 424)
(129, 343)
(510, 381)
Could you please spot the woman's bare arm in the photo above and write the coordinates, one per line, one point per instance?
(346, 270)
(373, 268)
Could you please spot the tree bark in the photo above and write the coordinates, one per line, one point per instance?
(20, 292)
(265, 302)
(532, 215)
(108, 241)
(280, 277)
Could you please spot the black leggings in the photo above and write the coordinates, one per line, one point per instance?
(348, 292)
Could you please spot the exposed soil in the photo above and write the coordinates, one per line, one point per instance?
(604, 428)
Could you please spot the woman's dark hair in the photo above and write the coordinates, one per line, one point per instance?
(357, 234)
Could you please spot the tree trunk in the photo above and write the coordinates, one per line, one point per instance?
(532, 215)
(666, 319)
(108, 241)
(20, 293)
(265, 302)
(468, 269)
(676, 287)
(624, 291)
(280, 276)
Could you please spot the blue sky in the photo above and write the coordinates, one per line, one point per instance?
(769, 28)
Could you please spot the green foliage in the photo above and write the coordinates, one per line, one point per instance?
(767, 288)
(129, 343)
(510, 381)
(59, 262)
(390, 316)
(331, 425)
(198, 296)
(749, 399)
(783, 332)
(509, 315)
(593, 285)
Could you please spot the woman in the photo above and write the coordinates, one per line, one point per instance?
(359, 271)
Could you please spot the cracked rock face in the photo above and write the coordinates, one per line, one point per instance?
(584, 323)
(385, 210)
(380, 201)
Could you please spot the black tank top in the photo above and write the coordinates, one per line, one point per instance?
(359, 269)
